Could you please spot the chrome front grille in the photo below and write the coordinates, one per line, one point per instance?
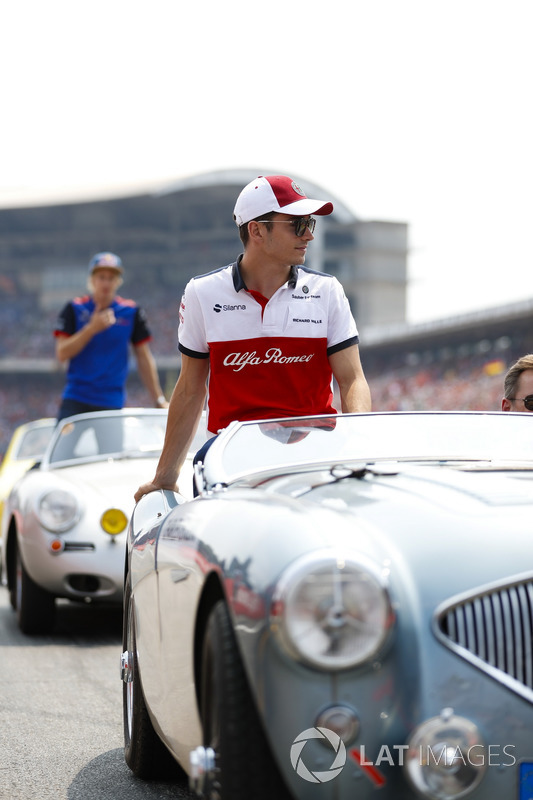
(494, 629)
(79, 546)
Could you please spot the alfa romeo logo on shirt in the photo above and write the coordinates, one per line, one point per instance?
(272, 356)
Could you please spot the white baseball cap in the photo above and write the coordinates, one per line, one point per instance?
(275, 193)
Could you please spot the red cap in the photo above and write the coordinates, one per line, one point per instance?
(276, 193)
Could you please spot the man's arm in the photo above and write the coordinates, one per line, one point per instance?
(348, 372)
(184, 412)
(148, 373)
(69, 346)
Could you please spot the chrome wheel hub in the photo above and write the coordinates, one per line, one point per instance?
(126, 664)
(203, 770)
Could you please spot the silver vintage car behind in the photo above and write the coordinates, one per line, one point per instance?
(345, 612)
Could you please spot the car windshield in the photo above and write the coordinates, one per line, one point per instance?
(101, 436)
(35, 441)
(252, 447)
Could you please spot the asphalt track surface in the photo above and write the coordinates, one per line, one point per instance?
(61, 711)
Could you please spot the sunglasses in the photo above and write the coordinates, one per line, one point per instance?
(299, 224)
(528, 401)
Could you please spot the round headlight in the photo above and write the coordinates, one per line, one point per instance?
(113, 521)
(58, 510)
(446, 758)
(332, 613)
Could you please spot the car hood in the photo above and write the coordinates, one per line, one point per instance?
(462, 528)
(439, 530)
(114, 480)
(465, 490)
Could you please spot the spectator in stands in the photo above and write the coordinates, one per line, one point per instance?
(266, 332)
(518, 385)
(93, 333)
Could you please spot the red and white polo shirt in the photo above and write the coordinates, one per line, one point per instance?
(266, 360)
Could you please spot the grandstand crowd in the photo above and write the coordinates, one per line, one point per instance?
(444, 381)
(26, 331)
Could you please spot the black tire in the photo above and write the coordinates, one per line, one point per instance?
(144, 752)
(245, 767)
(34, 606)
(12, 587)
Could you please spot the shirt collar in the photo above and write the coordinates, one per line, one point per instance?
(238, 281)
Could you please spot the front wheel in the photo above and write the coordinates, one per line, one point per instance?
(35, 607)
(244, 766)
(144, 752)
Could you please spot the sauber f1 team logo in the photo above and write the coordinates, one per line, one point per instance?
(229, 307)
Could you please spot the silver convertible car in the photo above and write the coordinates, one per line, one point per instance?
(345, 612)
(65, 521)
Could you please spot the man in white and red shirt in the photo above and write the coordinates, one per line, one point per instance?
(265, 334)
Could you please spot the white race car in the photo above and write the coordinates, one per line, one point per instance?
(65, 520)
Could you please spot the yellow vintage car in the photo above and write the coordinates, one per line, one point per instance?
(26, 446)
